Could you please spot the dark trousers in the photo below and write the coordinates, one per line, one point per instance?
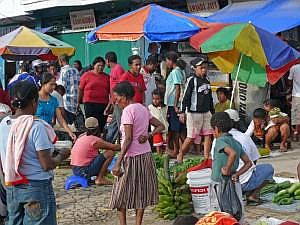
(96, 110)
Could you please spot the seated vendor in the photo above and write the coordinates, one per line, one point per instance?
(256, 128)
(224, 102)
(257, 176)
(86, 160)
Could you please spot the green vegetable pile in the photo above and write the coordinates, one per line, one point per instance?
(286, 193)
(159, 161)
(174, 194)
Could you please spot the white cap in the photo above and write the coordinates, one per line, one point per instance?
(38, 62)
(233, 114)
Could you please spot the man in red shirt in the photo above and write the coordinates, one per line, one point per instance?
(135, 78)
(115, 76)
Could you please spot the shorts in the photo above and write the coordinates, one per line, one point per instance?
(198, 124)
(174, 124)
(158, 140)
(295, 111)
(91, 170)
(262, 173)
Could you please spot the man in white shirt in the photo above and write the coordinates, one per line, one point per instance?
(254, 179)
(294, 78)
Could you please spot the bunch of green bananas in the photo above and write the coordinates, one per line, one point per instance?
(174, 196)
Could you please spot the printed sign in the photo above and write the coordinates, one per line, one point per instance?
(203, 7)
(248, 97)
(83, 20)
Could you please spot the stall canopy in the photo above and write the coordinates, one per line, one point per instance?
(271, 15)
(153, 22)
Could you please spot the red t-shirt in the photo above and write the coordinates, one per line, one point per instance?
(4, 98)
(115, 76)
(138, 84)
(83, 152)
(95, 87)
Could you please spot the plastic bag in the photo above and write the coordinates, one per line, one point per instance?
(228, 199)
(217, 218)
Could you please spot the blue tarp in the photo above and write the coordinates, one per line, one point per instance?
(271, 15)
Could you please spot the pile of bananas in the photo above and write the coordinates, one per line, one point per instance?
(174, 194)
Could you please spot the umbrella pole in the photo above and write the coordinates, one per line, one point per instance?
(235, 81)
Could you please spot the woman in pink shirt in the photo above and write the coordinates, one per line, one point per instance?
(94, 91)
(136, 186)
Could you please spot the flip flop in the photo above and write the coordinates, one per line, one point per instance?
(254, 202)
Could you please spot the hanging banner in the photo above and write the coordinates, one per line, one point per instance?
(248, 97)
(203, 7)
(83, 19)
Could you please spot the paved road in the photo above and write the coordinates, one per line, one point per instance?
(88, 206)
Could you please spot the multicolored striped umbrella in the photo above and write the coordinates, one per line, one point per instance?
(25, 43)
(153, 22)
(251, 54)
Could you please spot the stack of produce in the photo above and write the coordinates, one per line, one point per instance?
(287, 193)
(264, 151)
(174, 194)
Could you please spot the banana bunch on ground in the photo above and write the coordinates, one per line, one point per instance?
(174, 194)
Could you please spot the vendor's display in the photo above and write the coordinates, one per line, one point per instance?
(286, 192)
(174, 194)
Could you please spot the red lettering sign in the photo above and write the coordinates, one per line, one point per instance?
(200, 190)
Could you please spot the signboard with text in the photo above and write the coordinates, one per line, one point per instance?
(203, 7)
(83, 20)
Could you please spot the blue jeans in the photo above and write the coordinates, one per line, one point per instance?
(31, 204)
(91, 170)
(262, 173)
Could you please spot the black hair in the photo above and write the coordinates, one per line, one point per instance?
(93, 131)
(173, 56)
(111, 57)
(79, 63)
(25, 66)
(222, 121)
(124, 88)
(185, 220)
(151, 60)
(271, 102)
(23, 93)
(60, 88)
(98, 60)
(46, 78)
(133, 57)
(181, 63)
(158, 92)
(64, 58)
(223, 90)
(259, 113)
(52, 64)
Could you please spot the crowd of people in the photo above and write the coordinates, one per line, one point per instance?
(133, 112)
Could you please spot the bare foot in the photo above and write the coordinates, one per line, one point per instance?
(180, 157)
(103, 181)
(268, 147)
(283, 147)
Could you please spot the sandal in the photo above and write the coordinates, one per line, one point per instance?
(254, 202)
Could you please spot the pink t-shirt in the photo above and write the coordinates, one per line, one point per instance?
(139, 116)
(83, 152)
(115, 76)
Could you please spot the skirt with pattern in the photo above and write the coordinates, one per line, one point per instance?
(137, 187)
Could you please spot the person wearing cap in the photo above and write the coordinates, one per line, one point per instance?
(37, 66)
(257, 176)
(86, 160)
(197, 105)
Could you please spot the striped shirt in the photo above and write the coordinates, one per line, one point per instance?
(69, 78)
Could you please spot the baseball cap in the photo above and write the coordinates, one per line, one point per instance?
(38, 62)
(198, 61)
(91, 123)
(233, 114)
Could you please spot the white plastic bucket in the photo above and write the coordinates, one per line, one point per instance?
(201, 188)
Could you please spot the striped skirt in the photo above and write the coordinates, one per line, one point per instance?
(137, 187)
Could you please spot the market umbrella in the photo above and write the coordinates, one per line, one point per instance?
(154, 22)
(251, 54)
(24, 43)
